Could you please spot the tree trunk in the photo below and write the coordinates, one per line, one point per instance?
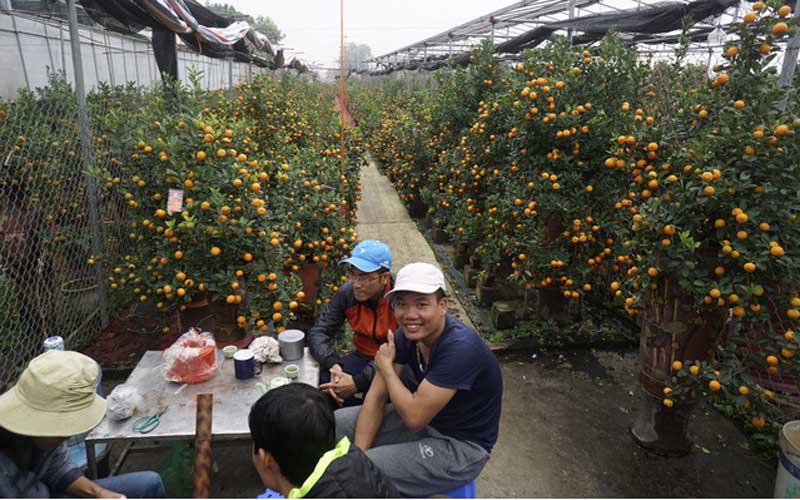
(552, 303)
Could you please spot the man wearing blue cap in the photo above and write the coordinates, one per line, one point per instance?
(361, 303)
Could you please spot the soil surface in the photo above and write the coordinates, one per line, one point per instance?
(122, 344)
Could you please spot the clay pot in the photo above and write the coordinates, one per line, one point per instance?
(417, 208)
(673, 328)
(216, 317)
(310, 275)
(461, 256)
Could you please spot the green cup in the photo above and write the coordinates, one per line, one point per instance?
(291, 371)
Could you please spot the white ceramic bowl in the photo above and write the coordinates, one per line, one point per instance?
(278, 382)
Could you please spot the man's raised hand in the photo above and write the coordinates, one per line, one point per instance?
(386, 354)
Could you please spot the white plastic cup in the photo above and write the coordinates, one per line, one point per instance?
(787, 482)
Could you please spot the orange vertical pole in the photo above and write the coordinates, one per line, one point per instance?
(341, 99)
(201, 480)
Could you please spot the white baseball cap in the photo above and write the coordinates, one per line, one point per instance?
(419, 277)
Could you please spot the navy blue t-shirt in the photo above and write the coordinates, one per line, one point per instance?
(459, 360)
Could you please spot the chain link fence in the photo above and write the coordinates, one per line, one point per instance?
(47, 286)
(51, 280)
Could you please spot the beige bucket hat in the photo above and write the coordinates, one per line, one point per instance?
(54, 397)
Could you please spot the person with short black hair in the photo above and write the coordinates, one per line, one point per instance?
(296, 454)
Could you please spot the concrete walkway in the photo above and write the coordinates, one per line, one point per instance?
(382, 216)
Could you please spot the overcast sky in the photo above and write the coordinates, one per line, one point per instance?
(312, 26)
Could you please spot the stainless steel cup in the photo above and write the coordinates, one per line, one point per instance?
(291, 344)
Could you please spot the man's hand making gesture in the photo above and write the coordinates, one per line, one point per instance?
(384, 360)
(341, 385)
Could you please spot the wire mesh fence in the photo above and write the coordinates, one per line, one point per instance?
(47, 286)
(51, 276)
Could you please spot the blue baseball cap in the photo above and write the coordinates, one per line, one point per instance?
(369, 256)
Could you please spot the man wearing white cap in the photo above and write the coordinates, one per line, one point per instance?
(445, 388)
(55, 398)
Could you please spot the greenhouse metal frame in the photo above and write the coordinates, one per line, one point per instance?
(505, 27)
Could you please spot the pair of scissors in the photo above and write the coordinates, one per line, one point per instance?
(148, 423)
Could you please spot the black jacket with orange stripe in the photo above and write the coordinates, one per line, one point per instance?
(370, 324)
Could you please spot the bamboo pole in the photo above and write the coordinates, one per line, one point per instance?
(201, 479)
(341, 101)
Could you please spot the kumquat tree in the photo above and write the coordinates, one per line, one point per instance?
(234, 201)
(593, 174)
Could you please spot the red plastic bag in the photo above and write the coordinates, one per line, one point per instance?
(191, 359)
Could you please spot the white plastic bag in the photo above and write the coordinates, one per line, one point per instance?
(266, 350)
(123, 402)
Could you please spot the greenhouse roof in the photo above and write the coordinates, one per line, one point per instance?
(528, 23)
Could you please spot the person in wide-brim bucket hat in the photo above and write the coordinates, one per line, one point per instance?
(55, 398)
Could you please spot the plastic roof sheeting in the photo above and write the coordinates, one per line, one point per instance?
(201, 29)
(528, 23)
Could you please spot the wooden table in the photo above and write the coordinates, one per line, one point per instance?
(232, 401)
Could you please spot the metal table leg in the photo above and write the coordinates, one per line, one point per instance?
(122, 456)
(91, 461)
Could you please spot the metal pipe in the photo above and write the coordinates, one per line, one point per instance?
(63, 49)
(94, 58)
(150, 80)
(135, 63)
(124, 60)
(88, 158)
(571, 17)
(109, 57)
(21, 52)
(49, 50)
(91, 460)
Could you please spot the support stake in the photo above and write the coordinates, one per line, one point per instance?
(88, 159)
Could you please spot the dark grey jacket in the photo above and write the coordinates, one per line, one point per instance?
(370, 323)
(27, 472)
